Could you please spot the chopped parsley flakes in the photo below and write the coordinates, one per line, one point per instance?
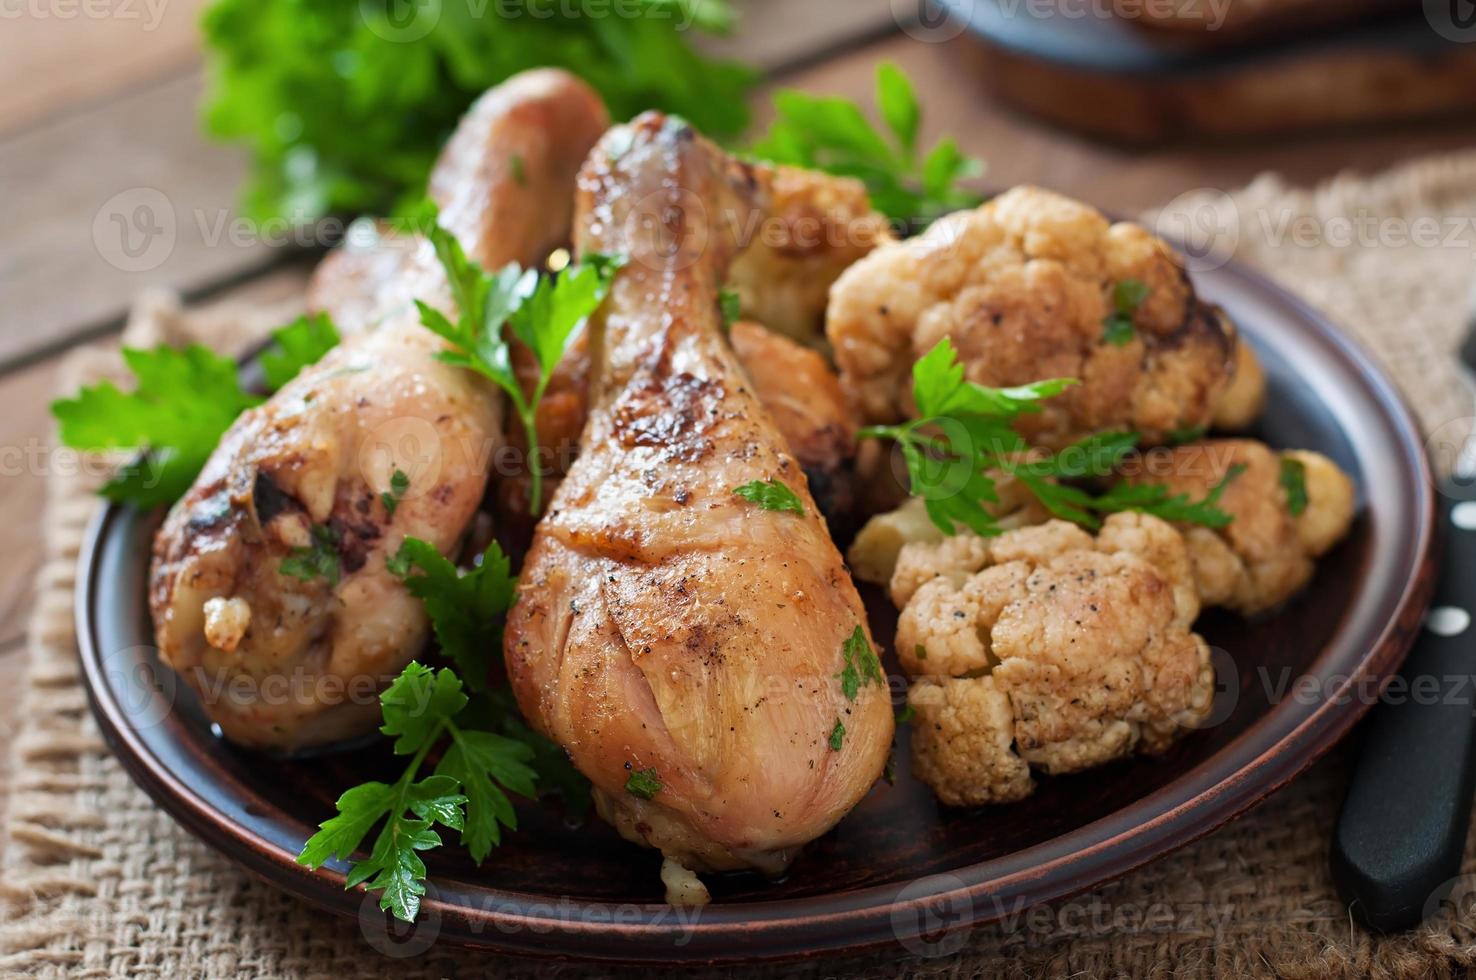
(643, 783)
(859, 665)
(317, 560)
(771, 495)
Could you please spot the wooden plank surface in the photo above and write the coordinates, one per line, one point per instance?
(59, 54)
(779, 36)
(109, 200)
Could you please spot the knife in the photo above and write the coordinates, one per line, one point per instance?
(1397, 848)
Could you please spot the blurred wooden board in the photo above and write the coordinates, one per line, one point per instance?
(1108, 77)
(781, 35)
(57, 56)
(107, 201)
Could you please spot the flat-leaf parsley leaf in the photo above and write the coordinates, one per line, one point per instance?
(832, 134)
(183, 401)
(771, 495)
(463, 607)
(964, 436)
(859, 665)
(317, 560)
(301, 343)
(1293, 480)
(543, 312)
(1127, 296)
(467, 793)
(644, 784)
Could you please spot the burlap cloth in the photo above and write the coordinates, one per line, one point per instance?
(98, 882)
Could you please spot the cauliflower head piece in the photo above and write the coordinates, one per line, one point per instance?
(817, 226)
(1026, 287)
(1047, 647)
(1288, 509)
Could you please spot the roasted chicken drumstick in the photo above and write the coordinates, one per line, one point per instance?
(688, 647)
(270, 592)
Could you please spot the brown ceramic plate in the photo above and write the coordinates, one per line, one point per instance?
(900, 869)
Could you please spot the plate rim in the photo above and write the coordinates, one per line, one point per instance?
(861, 919)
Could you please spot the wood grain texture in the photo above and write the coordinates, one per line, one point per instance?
(109, 201)
(57, 54)
(779, 35)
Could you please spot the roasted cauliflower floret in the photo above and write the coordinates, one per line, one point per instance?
(1047, 647)
(1331, 501)
(1265, 555)
(1034, 285)
(1241, 403)
(963, 742)
(873, 554)
(817, 226)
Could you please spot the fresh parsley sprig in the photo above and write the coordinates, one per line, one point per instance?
(644, 784)
(542, 312)
(487, 752)
(1104, 453)
(961, 432)
(463, 607)
(964, 436)
(837, 736)
(301, 343)
(730, 304)
(1127, 296)
(466, 610)
(1293, 481)
(860, 665)
(467, 792)
(318, 559)
(399, 486)
(182, 402)
(832, 134)
(344, 106)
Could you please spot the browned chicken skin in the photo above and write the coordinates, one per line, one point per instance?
(664, 624)
(814, 226)
(288, 660)
(805, 399)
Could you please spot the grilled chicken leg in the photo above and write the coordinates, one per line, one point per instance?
(270, 592)
(682, 643)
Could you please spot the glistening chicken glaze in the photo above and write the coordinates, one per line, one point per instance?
(665, 624)
(283, 662)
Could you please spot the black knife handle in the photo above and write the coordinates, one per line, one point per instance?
(1402, 832)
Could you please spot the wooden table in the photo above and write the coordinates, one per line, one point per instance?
(90, 108)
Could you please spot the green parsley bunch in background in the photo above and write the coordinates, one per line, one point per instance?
(345, 103)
